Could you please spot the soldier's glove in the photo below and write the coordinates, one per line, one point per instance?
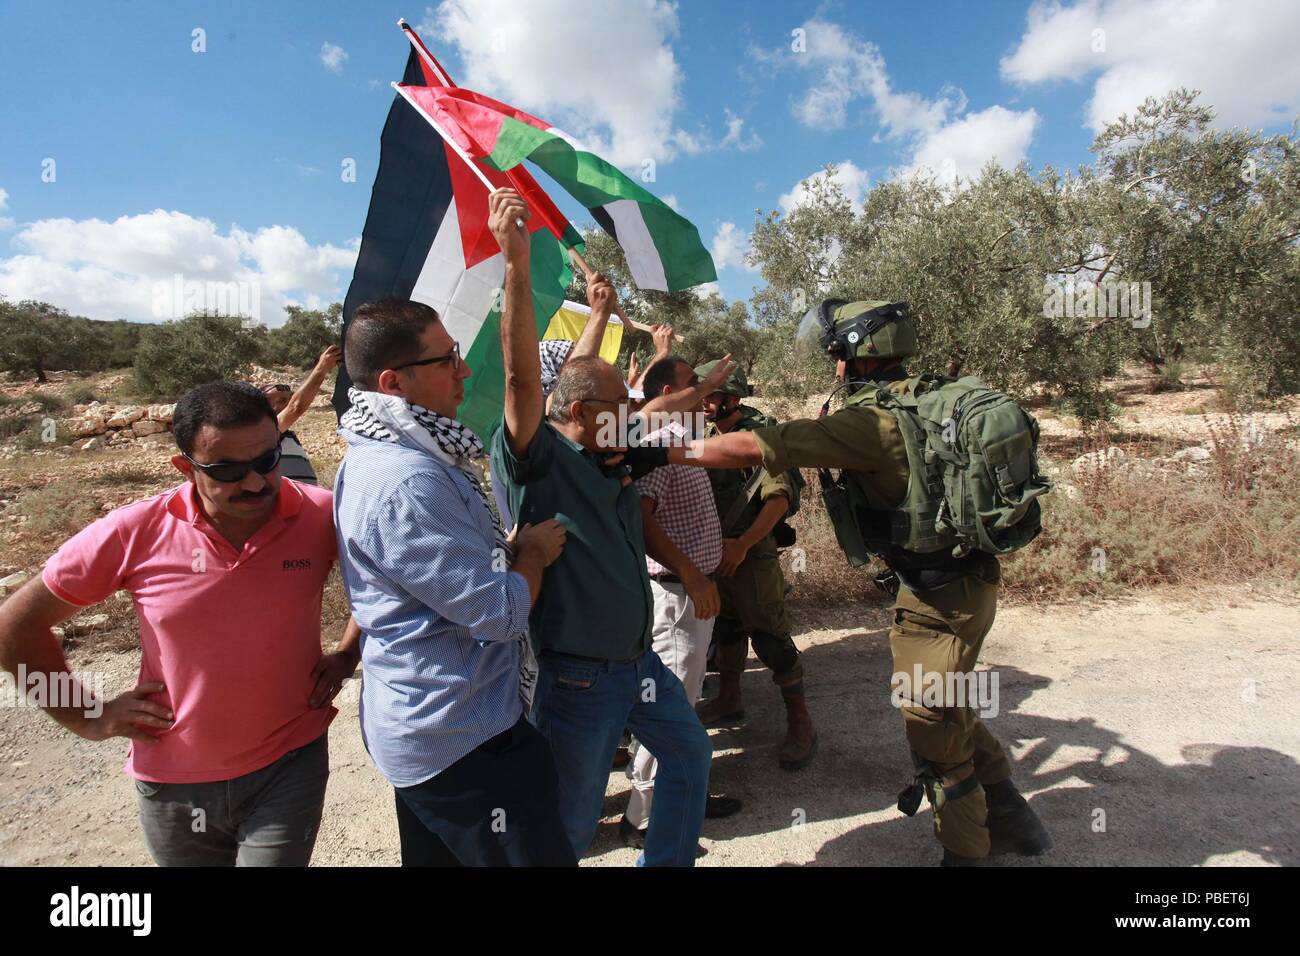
(887, 581)
(644, 459)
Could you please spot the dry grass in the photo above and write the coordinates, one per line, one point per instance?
(1110, 531)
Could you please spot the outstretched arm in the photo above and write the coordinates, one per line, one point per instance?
(736, 449)
(523, 368)
(306, 394)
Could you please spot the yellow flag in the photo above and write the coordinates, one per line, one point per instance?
(570, 320)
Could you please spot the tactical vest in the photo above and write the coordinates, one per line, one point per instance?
(973, 481)
(729, 483)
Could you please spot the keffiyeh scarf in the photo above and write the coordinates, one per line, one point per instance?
(391, 418)
(553, 354)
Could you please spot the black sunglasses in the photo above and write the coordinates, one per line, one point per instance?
(231, 471)
(453, 356)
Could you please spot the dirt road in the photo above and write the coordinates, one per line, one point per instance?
(1149, 732)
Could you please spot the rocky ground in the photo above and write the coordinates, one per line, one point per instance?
(1158, 731)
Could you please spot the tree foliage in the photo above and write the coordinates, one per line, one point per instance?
(1206, 221)
(708, 325)
(36, 337)
(173, 357)
(305, 334)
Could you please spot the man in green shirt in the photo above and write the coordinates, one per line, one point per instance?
(591, 627)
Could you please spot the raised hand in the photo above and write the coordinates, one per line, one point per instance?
(506, 209)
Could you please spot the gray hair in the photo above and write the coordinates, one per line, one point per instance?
(579, 379)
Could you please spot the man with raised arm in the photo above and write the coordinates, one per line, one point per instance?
(591, 626)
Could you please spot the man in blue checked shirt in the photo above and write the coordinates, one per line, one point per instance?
(442, 600)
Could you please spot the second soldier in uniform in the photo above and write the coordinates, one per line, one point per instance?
(751, 507)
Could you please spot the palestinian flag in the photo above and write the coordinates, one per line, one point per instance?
(426, 238)
(663, 249)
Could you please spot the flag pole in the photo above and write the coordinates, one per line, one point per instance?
(588, 271)
(429, 59)
(459, 150)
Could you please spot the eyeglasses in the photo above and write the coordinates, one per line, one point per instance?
(607, 401)
(281, 387)
(453, 356)
(231, 471)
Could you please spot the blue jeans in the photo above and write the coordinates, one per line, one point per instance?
(581, 708)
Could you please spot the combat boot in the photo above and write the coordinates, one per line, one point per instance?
(727, 705)
(800, 736)
(1014, 827)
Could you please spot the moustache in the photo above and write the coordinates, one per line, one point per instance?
(254, 495)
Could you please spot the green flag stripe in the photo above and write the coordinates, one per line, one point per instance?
(485, 388)
(595, 183)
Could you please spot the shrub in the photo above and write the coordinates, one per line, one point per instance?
(176, 356)
(1132, 525)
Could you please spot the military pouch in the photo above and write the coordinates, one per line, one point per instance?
(839, 508)
(909, 799)
(784, 535)
(929, 783)
(887, 581)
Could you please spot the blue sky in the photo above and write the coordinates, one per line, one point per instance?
(226, 163)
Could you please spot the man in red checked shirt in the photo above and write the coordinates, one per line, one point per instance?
(683, 549)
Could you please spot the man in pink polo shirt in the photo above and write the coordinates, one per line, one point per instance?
(229, 715)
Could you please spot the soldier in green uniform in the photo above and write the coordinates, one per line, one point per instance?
(751, 503)
(945, 605)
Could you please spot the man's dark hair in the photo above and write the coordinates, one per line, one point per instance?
(382, 334)
(663, 372)
(221, 405)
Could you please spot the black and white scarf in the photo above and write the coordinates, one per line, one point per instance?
(553, 353)
(391, 418)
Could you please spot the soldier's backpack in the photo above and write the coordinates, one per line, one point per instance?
(974, 482)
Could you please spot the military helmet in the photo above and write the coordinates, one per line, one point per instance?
(862, 329)
(733, 384)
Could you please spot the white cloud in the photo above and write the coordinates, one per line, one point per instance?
(672, 202)
(706, 289)
(961, 148)
(6, 222)
(729, 246)
(735, 134)
(1240, 55)
(612, 80)
(109, 270)
(853, 183)
(333, 57)
(850, 72)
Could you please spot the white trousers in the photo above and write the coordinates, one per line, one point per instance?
(682, 642)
